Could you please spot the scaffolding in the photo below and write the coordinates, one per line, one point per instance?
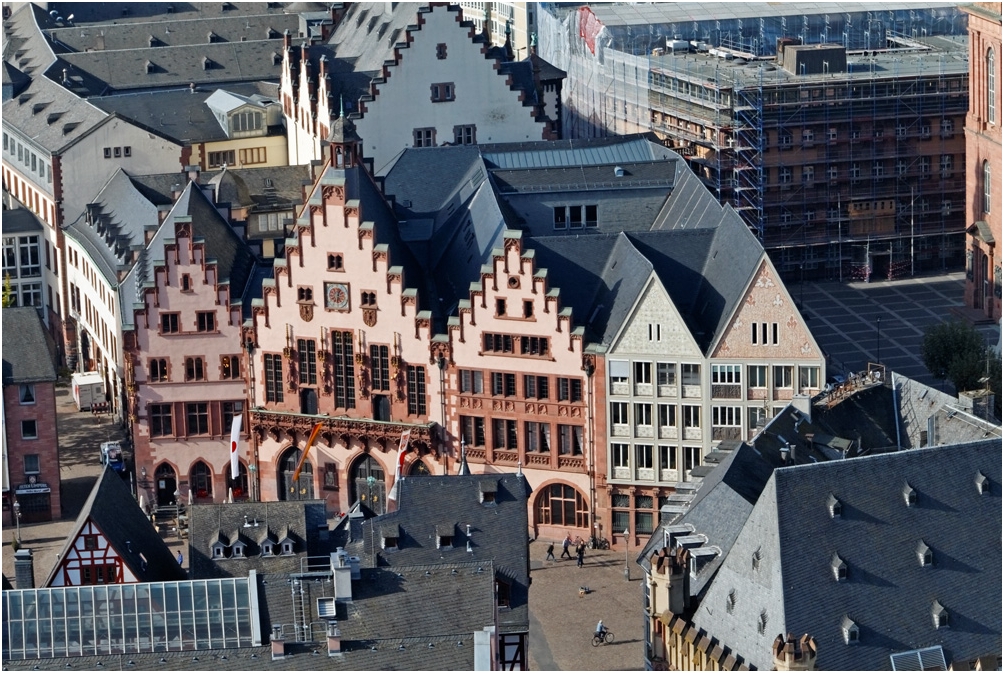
(839, 174)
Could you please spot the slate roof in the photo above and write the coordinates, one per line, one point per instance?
(354, 40)
(14, 78)
(20, 220)
(887, 593)
(260, 188)
(62, 119)
(113, 224)
(498, 532)
(719, 510)
(174, 30)
(112, 508)
(27, 357)
(25, 45)
(234, 261)
(303, 521)
(919, 403)
(178, 66)
(178, 113)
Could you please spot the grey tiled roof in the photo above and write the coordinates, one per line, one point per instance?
(174, 30)
(20, 220)
(303, 520)
(887, 593)
(177, 114)
(354, 37)
(178, 66)
(25, 46)
(63, 120)
(498, 532)
(234, 261)
(261, 188)
(114, 222)
(114, 511)
(27, 357)
(719, 510)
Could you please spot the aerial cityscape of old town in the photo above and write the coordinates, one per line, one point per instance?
(502, 336)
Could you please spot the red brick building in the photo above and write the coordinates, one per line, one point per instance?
(984, 160)
(31, 450)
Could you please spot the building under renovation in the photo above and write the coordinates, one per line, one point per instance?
(838, 135)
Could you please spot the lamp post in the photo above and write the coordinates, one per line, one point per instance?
(17, 520)
(627, 568)
(878, 340)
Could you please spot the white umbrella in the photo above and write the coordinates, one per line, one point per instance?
(189, 496)
(230, 495)
(142, 502)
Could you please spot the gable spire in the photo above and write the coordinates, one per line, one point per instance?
(464, 468)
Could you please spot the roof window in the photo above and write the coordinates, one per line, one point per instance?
(852, 635)
(835, 507)
(939, 614)
(909, 495)
(982, 483)
(924, 554)
(839, 567)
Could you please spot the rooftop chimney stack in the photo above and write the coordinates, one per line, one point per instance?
(278, 643)
(24, 569)
(334, 639)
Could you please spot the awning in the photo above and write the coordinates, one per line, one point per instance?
(981, 230)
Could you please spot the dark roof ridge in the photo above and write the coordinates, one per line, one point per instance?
(789, 471)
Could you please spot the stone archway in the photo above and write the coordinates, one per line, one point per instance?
(368, 484)
(302, 488)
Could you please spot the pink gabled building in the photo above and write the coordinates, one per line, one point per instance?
(984, 160)
(340, 338)
(183, 356)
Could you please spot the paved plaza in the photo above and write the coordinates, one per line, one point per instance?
(856, 323)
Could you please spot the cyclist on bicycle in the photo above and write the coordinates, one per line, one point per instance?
(600, 630)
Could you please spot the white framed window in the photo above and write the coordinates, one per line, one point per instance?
(987, 183)
(726, 374)
(619, 413)
(691, 416)
(808, 174)
(757, 417)
(832, 172)
(642, 372)
(757, 376)
(643, 414)
(855, 171)
(654, 331)
(726, 416)
(32, 464)
(784, 175)
(782, 376)
(29, 429)
(26, 394)
(991, 87)
(808, 377)
(619, 455)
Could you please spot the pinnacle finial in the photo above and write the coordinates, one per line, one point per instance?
(341, 106)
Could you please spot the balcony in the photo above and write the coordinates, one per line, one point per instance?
(719, 433)
(644, 431)
(691, 391)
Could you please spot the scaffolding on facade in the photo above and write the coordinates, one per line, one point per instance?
(837, 173)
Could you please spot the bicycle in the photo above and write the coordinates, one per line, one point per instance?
(607, 637)
(599, 543)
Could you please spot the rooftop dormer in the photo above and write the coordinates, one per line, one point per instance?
(909, 495)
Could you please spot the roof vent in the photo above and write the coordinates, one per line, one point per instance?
(909, 495)
(982, 483)
(836, 509)
(207, 63)
(730, 601)
(924, 554)
(757, 557)
(939, 614)
(761, 623)
(618, 171)
(839, 568)
(851, 633)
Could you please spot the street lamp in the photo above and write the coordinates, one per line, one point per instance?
(627, 568)
(17, 520)
(878, 340)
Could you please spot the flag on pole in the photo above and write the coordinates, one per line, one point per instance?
(402, 448)
(306, 450)
(235, 437)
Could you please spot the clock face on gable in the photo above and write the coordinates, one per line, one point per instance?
(336, 296)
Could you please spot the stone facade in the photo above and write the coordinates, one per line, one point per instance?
(984, 160)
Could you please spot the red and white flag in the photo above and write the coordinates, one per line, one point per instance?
(235, 437)
(402, 448)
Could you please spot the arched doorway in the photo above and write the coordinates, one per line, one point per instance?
(201, 481)
(419, 469)
(237, 487)
(302, 488)
(368, 485)
(562, 505)
(167, 484)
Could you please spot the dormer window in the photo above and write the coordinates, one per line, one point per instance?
(287, 548)
(757, 557)
(730, 602)
(389, 536)
(218, 551)
(238, 551)
(982, 483)
(444, 536)
(390, 543)
(761, 623)
(488, 488)
(835, 507)
(267, 549)
(851, 633)
(838, 567)
(940, 615)
(909, 495)
(924, 554)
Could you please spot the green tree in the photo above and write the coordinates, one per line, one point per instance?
(955, 351)
(8, 293)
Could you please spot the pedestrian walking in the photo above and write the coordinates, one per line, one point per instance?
(180, 559)
(550, 553)
(565, 544)
(580, 552)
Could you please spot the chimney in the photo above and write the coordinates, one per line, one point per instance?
(804, 404)
(679, 581)
(334, 639)
(278, 643)
(24, 569)
(792, 655)
(193, 173)
(341, 568)
(287, 40)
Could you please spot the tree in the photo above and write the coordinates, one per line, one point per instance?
(955, 351)
(8, 293)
